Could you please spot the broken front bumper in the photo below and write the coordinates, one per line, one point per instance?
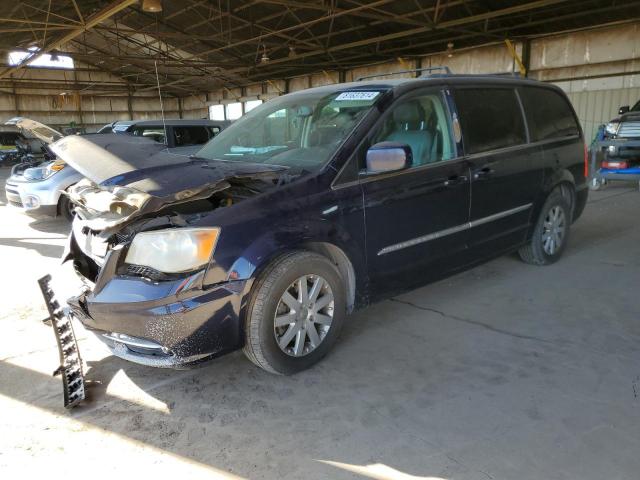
(164, 324)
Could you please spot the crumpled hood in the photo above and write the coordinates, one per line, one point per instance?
(127, 177)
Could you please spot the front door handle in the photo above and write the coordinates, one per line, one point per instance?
(455, 180)
(485, 172)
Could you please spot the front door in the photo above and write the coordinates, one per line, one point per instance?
(415, 218)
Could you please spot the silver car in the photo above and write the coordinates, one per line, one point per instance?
(40, 190)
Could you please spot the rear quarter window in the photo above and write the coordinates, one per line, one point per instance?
(549, 114)
(190, 135)
(491, 118)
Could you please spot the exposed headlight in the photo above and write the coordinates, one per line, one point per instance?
(173, 250)
(612, 128)
(42, 173)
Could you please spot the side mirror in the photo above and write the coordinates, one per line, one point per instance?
(623, 109)
(388, 157)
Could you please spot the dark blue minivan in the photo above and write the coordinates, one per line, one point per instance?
(313, 205)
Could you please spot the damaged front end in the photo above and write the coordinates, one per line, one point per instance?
(139, 244)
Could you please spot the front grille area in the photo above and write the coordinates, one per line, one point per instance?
(629, 130)
(15, 203)
(146, 272)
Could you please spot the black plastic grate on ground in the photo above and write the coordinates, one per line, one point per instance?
(70, 362)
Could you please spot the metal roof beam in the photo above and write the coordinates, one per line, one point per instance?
(93, 20)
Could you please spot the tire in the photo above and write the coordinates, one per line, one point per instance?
(597, 184)
(539, 251)
(65, 207)
(284, 275)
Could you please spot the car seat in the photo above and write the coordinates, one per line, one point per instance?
(409, 124)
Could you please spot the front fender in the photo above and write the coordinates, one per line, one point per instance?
(264, 248)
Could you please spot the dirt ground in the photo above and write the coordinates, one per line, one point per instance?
(506, 371)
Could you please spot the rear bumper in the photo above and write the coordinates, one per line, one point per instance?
(582, 195)
(159, 324)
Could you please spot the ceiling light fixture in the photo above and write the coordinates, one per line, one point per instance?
(264, 58)
(292, 50)
(450, 49)
(152, 6)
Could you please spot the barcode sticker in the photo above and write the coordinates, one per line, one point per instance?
(357, 96)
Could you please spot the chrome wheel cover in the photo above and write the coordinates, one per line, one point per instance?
(554, 229)
(304, 315)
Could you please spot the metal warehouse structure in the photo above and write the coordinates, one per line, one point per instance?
(229, 53)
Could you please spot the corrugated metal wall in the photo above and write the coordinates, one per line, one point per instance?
(599, 106)
(595, 67)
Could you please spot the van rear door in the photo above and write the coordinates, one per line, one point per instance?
(506, 170)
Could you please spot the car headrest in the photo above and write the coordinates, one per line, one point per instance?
(408, 113)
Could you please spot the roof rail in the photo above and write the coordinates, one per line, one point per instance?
(504, 74)
(446, 69)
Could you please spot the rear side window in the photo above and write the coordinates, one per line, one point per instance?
(184, 136)
(548, 114)
(491, 118)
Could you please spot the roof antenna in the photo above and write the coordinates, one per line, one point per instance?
(164, 125)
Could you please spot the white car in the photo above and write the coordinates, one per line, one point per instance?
(40, 190)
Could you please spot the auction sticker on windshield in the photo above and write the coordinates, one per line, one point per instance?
(356, 96)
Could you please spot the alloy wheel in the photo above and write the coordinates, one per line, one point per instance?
(553, 231)
(304, 315)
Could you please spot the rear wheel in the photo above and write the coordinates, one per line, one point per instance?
(551, 232)
(597, 183)
(295, 313)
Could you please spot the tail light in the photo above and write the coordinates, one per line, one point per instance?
(614, 164)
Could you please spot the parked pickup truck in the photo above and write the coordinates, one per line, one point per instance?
(625, 127)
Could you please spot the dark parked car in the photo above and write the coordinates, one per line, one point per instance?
(313, 205)
(625, 127)
(180, 133)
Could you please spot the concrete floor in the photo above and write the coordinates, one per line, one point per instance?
(504, 372)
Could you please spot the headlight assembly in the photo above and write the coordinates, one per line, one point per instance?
(173, 250)
(612, 128)
(42, 173)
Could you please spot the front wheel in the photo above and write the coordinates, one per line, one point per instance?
(66, 207)
(295, 313)
(551, 232)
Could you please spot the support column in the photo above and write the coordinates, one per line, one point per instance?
(130, 105)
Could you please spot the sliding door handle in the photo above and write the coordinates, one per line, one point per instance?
(455, 180)
(485, 172)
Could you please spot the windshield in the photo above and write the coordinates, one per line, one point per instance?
(300, 131)
(636, 107)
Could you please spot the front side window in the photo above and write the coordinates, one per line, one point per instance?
(422, 123)
(301, 131)
(548, 114)
(491, 118)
